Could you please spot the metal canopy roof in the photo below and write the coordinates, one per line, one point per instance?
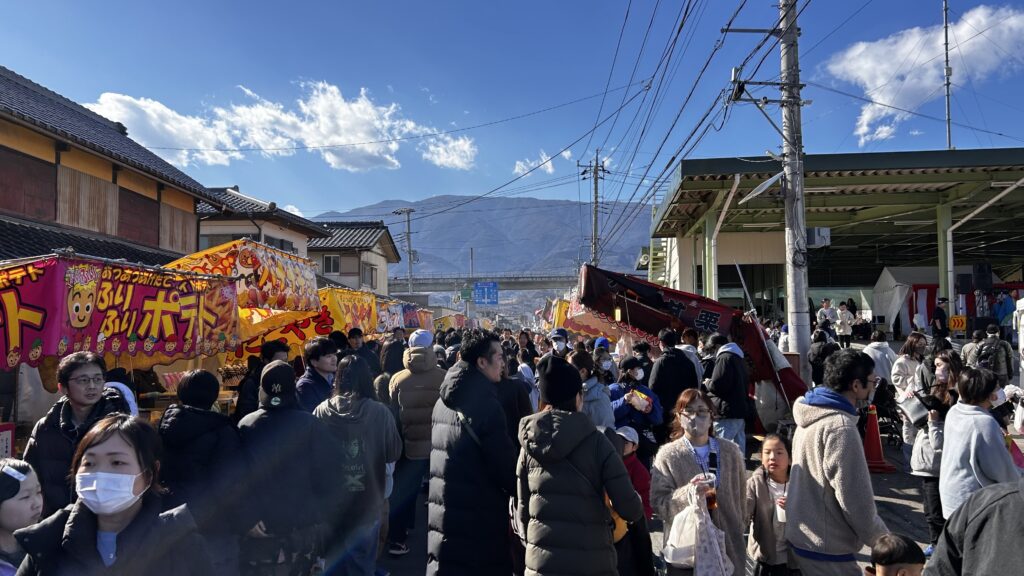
(881, 207)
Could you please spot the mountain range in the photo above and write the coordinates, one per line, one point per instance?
(509, 235)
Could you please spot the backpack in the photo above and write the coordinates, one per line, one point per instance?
(987, 351)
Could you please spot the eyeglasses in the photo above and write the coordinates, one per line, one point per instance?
(693, 413)
(86, 380)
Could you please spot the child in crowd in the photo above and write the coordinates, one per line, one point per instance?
(766, 507)
(633, 549)
(638, 473)
(21, 504)
(896, 555)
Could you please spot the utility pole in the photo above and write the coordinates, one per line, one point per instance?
(472, 274)
(594, 172)
(593, 239)
(793, 187)
(948, 73)
(408, 240)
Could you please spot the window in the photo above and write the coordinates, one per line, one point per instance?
(332, 264)
(211, 240)
(280, 244)
(369, 277)
(349, 266)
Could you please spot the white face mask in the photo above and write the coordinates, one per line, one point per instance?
(942, 373)
(106, 492)
(638, 374)
(697, 425)
(606, 365)
(559, 345)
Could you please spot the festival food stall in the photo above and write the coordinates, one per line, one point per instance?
(134, 316)
(274, 288)
(638, 305)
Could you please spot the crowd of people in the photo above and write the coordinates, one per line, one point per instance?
(540, 455)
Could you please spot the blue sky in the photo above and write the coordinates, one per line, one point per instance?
(229, 75)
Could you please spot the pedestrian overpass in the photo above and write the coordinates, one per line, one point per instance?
(422, 283)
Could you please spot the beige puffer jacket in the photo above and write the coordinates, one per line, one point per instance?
(414, 391)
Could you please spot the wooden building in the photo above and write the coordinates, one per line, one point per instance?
(72, 178)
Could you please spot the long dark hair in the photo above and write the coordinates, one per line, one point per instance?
(354, 378)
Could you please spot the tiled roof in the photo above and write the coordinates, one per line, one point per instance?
(24, 239)
(243, 206)
(357, 235)
(53, 113)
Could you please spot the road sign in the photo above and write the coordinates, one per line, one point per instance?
(465, 294)
(958, 323)
(485, 293)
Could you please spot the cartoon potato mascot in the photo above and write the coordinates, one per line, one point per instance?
(81, 280)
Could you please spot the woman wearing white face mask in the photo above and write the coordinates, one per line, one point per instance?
(696, 462)
(636, 406)
(116, 526)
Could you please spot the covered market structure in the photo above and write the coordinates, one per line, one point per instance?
(864, 211)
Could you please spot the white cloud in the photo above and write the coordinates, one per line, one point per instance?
(607, 162)
(905, 69)
(154, 124)
(544, 161)
(293, 209)
(448, 152)
(916, 132)
(567, 154)
(320, 119)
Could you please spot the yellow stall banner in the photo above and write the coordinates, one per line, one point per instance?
(273, 287)
(340, 309)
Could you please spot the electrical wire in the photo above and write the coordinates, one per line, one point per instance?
(402, 138)
(707, 63)
(912, 112)
(533, 169)
(611, 70)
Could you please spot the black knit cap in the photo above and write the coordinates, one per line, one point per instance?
(559, 381)
(277, 385)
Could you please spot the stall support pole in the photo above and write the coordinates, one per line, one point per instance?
(943, 220)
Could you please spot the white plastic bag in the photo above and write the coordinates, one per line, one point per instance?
(681, 545)
(1018, 417)
(695, 542)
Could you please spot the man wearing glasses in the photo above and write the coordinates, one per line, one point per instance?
(830, 506)
(80, 378)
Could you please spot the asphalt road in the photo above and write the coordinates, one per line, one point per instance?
(897, 496)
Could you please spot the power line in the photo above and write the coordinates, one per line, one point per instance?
(707, 63)
(611, 70)
(912, 112)
(537, 167)
(401, 138)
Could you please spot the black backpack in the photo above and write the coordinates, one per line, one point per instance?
(987, 353)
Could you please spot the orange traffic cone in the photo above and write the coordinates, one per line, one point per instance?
(873, 445)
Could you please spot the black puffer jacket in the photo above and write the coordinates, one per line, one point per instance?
(671, 374)
(470, 483)
(203, 466)
(565, 469)
(729, 383)
(287, 454)
(54, 439)
(155, 544)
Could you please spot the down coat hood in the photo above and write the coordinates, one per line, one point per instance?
(419, 360)
(181, 425)
(552, 436)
